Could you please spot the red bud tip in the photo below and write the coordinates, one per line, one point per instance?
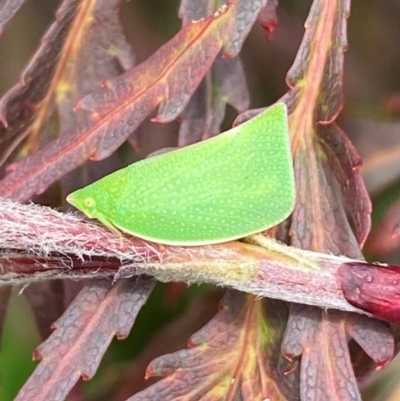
(148, 374)
(36, 356)
(85, 377)
(373, 288)
(3, 121)
(290, 369)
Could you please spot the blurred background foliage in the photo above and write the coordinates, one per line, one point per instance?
(370, 117)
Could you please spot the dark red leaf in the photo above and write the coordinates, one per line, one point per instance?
(232, 357)
(224, 83)
(125, 101)
(268, 16)
(82, 336)
(25, 103)
(320, 338)
(329, 185)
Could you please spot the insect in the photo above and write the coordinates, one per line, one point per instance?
(235, 184)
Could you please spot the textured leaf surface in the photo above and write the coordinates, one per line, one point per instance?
(321, 339)
(84, 33)
(326, 167)
(102, 43)
(225, 83)
(168, 339)
(232, 357)
(125, 101)
(25, 107)
(320, 61)
(82, 336)
(328, 184)
(245, 13)
(96, 28)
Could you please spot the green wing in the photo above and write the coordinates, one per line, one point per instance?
(236, 184)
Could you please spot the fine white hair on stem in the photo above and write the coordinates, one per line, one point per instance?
(40, 243)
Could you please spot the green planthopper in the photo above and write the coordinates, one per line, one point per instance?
(238, 183)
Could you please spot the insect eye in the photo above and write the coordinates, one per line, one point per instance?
(89, 202)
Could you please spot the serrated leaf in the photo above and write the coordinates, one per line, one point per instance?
(268, 16)
(333, 234)
(101, 44)
(98, 30)
(57, 75)
(232, 357)
(125, 101)
(190, 10)
(320, 135)
(198, 311)
(345, 163)
(82, 336)
(328, 184)
(246, 13)
(26, 106)
(224, 83)
(60, 62)
(321, 340)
